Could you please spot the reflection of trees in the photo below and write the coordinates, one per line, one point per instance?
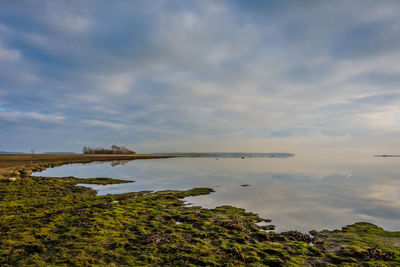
(113, 162)
(93, 163)
(119, 162)
(113, 150)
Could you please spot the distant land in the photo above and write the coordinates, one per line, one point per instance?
(208, 154)
(389, 156)
(59, 153)
(8, 152)
(235, 154)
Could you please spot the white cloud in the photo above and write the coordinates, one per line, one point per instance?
(385, 117)
(20, 116)
(292, 77)
(115, 84)
(103, 124)
(9, 54)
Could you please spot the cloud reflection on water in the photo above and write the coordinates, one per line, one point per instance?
(296, 193)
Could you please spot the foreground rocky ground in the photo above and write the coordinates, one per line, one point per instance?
(51, 221)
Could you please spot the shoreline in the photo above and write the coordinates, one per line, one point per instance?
(53, 221)
(25, 164)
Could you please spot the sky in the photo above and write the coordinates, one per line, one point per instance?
(169, 76)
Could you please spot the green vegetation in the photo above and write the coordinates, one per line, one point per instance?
(98, 180)
(52, 221)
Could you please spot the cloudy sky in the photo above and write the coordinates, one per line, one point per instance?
(200, 75)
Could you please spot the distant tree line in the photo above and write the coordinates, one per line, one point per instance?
(113, 150)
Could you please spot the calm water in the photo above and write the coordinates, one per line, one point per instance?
(301, 193)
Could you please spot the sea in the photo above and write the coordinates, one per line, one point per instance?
(297, 192)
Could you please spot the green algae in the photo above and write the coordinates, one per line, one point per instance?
(52, 221)
(97, 180)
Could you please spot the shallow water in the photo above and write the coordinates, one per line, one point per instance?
(301, 193)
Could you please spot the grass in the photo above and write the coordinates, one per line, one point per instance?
(52, 221)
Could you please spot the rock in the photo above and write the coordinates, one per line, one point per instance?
(298, 236)
(158, 239)
(268, 227)
(232, 225)
(378, 254)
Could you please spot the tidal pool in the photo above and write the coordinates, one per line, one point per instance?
(297, 193)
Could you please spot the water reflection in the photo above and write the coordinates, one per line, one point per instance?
(300, 193)
(115, 163)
